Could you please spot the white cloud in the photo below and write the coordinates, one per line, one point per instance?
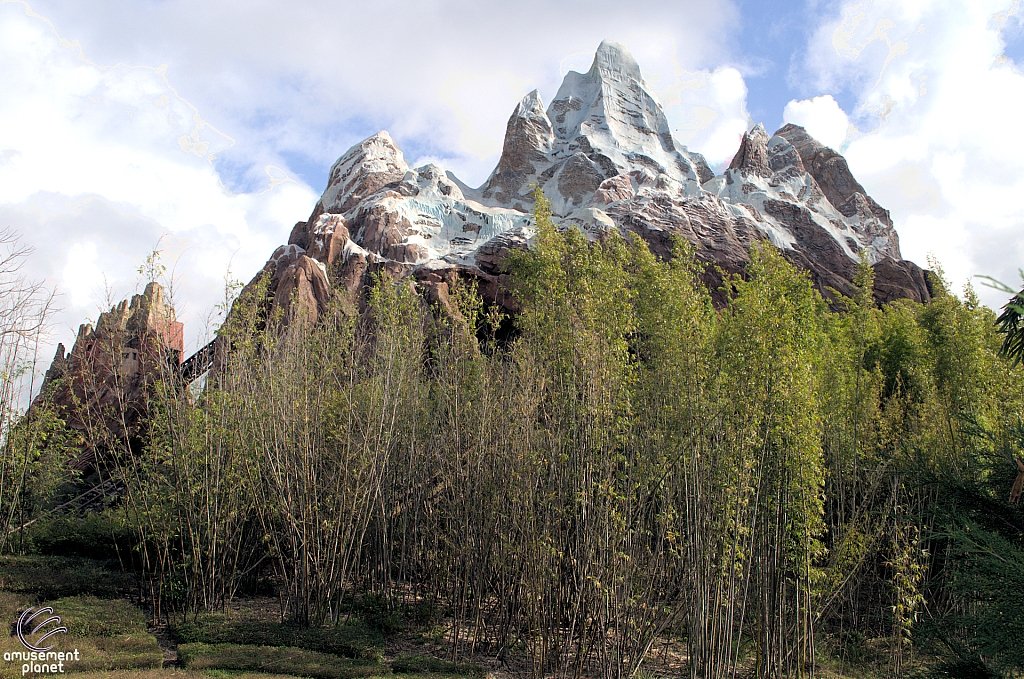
(708, 111)
(938, 110)
(81, 277)
(821, 117)
(94, 171)
(443, 77)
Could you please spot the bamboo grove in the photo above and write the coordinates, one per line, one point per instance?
(764, 481)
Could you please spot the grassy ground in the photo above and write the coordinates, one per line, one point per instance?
(177, 673)
(112, 639)
(348, 641)
(251, 642)
(109, 634)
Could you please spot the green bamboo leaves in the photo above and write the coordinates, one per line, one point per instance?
(625, 464)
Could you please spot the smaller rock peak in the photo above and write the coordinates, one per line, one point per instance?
(363, 169)
(430, 171)
(752, 156)
(379, 147)
(832, 173)
(381, 144)
(528, 141)
(530, 103)
(530, 108)
(791, 130)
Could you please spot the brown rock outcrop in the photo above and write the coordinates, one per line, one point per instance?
(752, 157)
(366, 168)
(613, 189)
(832, 173)
(528, 139)
(302, 291)
(101, 387)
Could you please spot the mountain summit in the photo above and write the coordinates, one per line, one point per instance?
(601, 124)
(604, 155)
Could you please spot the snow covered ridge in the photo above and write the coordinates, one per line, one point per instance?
(605, 157)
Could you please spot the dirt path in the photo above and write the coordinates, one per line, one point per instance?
(166, 642)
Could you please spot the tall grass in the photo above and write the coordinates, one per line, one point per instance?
(631, 464)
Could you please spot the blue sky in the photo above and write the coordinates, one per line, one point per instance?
(771, 41)
(209, 125)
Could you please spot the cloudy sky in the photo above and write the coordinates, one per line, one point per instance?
(206, 128)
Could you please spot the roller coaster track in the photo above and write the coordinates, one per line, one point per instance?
(193, 367)
(91, 499)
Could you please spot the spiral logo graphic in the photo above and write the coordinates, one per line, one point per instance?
(28, 618)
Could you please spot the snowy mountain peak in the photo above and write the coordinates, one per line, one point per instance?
(531, 106)
(601, 124)
(364, 168)
(613, 55)
(603, 154)
(610, 105)
(527, 148)
(615, 62)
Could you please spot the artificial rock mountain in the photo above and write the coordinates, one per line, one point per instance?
(605, 157)
(101, 387)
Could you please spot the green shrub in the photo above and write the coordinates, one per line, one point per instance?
(286, 660)
(95, 536)
(983, 539)
(968, 668)
(53, 577)
(349, 641)
(422, 664)
(379, 613)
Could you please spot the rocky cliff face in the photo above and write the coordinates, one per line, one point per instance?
(604, 155)
(101, 386)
